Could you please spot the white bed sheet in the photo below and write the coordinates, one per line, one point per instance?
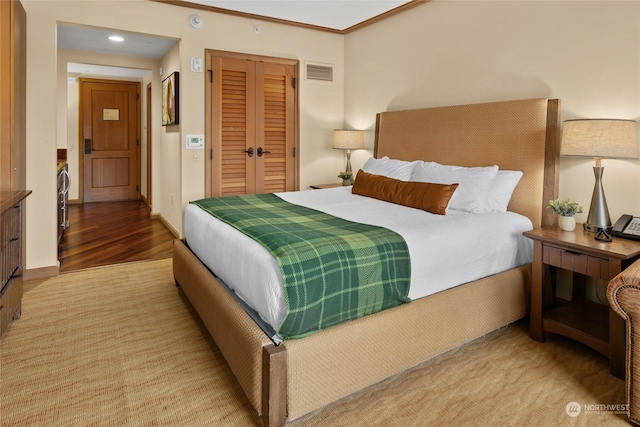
(446, 250)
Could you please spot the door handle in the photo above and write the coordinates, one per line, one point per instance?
(87, 146)
(261, 152)
(249, 151)
(67, 181)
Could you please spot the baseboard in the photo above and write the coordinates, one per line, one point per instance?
(167, 224)
(41, 273)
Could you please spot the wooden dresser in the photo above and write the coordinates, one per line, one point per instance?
(11, 236)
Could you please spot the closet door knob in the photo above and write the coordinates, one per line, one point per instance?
(261, 152)
(249, 151)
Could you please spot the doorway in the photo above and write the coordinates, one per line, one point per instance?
(80, 246)
(110, 140)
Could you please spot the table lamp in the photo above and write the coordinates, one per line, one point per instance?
(348, 140)
(599, 138)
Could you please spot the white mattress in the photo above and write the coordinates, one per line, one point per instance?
(446, 250)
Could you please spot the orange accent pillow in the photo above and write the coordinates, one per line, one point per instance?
(427, 196)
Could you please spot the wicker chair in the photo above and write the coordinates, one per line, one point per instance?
(623, 293)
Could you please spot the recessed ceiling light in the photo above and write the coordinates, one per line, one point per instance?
(116, 39)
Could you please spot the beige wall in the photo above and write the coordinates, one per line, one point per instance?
(454, 52)
(175, 172)
(440, 53)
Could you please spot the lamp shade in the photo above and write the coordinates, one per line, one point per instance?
(600, 138)
(348, 139)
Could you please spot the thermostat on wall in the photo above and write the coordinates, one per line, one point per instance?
(196, 65)
(195, 142)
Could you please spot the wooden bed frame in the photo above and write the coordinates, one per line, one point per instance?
(301, 376)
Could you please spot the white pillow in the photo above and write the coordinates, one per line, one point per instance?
(474, 183)
(502, 190)
(397, 169)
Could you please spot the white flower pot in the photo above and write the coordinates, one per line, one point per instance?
(566, 223)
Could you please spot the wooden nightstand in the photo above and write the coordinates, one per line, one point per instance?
(590, 323)
(320, 186)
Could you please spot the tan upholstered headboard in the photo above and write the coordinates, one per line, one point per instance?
(516, 135)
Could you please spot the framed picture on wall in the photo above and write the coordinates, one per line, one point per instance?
(170, 96)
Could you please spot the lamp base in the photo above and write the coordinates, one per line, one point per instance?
(593, 228)
(598, 218)
(603, 235)
(348, 169)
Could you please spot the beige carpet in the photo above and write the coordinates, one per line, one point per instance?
(121, 346)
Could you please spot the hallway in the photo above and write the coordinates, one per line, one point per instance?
(112, 233)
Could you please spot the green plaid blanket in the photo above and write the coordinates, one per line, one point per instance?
(333, 270)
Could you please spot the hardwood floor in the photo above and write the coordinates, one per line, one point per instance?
(112, 233)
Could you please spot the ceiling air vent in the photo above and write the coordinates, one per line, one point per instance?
(322, 73)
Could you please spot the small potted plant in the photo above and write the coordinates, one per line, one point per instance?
(346, 177)
(565, 209)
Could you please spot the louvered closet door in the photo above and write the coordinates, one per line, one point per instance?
(233, 134)
(253, 127)
(274, 127)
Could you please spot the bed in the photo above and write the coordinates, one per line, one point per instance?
(297, 377)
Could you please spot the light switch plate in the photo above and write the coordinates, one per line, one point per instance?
(195, 142)
(196, 65)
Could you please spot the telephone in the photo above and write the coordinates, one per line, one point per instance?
(628, 227)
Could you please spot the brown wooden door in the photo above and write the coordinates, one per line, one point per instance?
(234, 127)
(274, 127)
(6, 83)
(253, 126)
(110, 142)
(13, 91)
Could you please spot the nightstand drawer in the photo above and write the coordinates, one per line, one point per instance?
(576, 262)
